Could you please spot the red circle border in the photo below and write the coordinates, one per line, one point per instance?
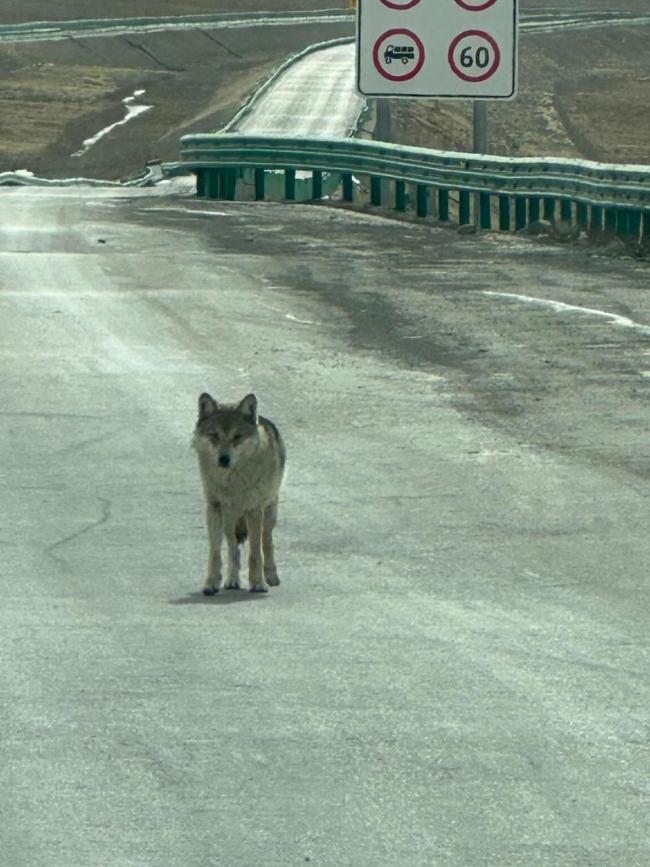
(463, 4)
(416, 68)
(491, 70)
(400, 5)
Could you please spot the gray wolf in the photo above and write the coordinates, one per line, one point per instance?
(242, 459)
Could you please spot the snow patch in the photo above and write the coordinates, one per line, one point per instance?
(133, 109)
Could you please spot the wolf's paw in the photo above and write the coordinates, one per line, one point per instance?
(233, 584)
(260, 587)
(210, 591)
(272, 579)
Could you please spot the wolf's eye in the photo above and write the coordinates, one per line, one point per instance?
(214, 437)
(237, 439)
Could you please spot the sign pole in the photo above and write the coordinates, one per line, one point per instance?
(480, 139)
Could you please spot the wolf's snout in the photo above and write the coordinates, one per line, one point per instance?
(224, 460)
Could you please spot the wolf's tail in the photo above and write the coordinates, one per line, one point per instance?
(241, 531)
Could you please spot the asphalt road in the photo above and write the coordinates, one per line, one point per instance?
(332, 108)
(454, 671)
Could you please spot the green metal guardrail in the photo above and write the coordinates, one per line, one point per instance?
(490, 191)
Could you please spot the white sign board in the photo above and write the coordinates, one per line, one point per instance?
(462, 49)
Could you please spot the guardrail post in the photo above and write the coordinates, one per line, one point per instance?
(375, 191)
(290, 184)
(504, 212)
(533, 209)
(582, 215)
(259, 185)
(316, 184)
(520, 213)
(464, 207)
(549, 208)
(348, 187)
(200, 183)
(213, 183)
(230, 183)
(400, 195)
(610, 219)
(645, 226)
(485, 210)
(443, 205)
(566, 210)
(634, 223)
(596, 222)
(422, 200)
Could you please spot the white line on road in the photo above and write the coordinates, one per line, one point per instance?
(193, 211)
(561, 307)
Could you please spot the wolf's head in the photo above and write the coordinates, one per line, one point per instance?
(227, 431)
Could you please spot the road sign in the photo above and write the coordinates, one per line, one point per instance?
(398, 54)
(459, 49)
(474, 55)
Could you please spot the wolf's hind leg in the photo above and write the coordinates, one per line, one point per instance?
(215, 536)
(270, 520)
(256, 581)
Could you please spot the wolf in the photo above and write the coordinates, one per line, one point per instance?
(242, 460)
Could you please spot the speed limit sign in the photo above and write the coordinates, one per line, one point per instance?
(474, 55)
(452, 48)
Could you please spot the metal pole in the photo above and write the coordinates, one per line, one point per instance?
(382, 120)
(479, 146)
(480, 141)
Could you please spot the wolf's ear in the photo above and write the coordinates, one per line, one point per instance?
(207, 405)
(248, 408)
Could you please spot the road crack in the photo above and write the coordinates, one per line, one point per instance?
(103, 518)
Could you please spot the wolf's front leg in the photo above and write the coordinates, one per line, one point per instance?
(256, 581)
(230, 524)
(215, 535)
(270, 519)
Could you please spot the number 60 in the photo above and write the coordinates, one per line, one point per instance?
(481, 58)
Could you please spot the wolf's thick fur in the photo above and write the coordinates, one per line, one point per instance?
(241, 459)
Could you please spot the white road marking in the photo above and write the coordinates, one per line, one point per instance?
(293, 318)
(193, 211)
(561, 307)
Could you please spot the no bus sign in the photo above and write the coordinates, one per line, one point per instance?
(438, 48)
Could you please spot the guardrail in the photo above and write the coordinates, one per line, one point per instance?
(489, 191)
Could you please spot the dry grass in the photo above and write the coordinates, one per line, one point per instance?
(581, 94)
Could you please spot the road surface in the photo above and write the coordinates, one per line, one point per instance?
(454, 670)
(314, 96)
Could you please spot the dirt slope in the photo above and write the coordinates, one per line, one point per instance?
(57, 94)
(581, 93)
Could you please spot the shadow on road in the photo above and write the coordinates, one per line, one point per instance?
(224, 597)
